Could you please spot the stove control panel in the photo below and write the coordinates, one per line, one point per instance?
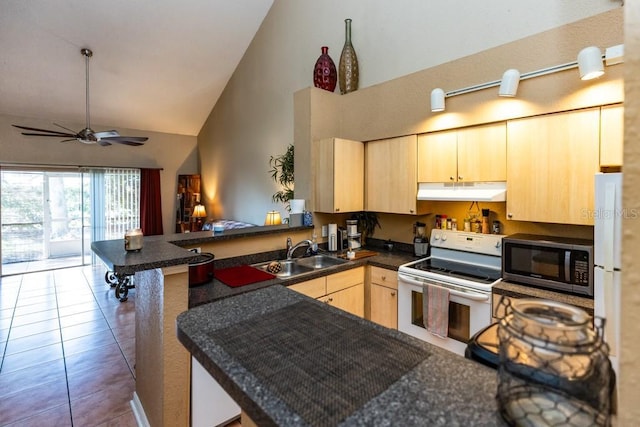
(490, 244)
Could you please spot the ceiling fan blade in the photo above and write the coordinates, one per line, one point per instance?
(56, 135)
(106, 134)
(67, 140)
(70, 130)
(103, 142)
(48, 131)
(127, 140)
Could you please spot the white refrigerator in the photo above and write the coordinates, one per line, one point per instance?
(608, 216)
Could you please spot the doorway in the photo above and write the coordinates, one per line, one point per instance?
(50, 217)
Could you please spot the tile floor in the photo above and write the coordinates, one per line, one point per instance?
(67, 350)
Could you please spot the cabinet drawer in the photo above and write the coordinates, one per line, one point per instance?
(384, 277)
(344, 279)
(314, 288)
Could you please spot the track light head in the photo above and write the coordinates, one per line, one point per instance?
(437, 100)
(590, 63)
(509, 83)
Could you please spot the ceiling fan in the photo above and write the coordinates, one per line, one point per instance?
(86, 135)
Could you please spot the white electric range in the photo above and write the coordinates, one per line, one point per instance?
(466, 265)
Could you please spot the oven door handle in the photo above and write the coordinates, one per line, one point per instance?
(456, 292)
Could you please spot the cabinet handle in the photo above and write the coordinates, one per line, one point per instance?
(328, 300)
(460, 178)
(337, 209)
(509, 215)
(410, 210)
(384, 278)
(451, 178)
(393, 294)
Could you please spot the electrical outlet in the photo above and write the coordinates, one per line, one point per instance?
(324, 231)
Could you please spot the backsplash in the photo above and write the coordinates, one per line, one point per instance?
(399, 228)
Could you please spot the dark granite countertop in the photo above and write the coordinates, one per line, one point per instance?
(515, 290)
(438, 388)
(216, 290)
(168, 249)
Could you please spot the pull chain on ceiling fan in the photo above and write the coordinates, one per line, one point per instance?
(86, 135)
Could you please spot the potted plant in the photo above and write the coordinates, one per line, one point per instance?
(282, 173)
(367, 223)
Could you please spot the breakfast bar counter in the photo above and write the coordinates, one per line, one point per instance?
(161, 270)
(289, 360)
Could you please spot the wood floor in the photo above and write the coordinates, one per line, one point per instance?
(67, 350)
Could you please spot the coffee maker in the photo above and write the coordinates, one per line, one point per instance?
(420, 241)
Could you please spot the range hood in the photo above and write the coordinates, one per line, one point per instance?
(463, 191)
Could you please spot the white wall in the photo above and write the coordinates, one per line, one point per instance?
(175, 154)
(253, 119)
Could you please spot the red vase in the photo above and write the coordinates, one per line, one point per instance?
(325, 75)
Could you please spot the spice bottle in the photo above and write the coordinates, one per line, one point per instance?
(443, 225)
(467, 224)
(438, 222)
(454, 224)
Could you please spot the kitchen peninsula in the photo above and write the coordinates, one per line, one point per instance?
(160, 272)
(289, 360)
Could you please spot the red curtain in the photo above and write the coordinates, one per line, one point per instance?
(150, 202)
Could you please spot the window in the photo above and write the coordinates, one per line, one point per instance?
(51, 216)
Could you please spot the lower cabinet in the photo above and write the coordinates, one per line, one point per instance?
(210, 404)
(383, 297)
(343, 290)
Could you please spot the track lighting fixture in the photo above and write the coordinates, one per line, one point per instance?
(590, 63)
(509, 83)
(437, 100)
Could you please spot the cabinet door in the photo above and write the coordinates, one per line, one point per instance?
(611, 135)
(384, 306)
(345, 279)
(552, 161)
(437, 157)
(314, 288)
(390, 177)
(482, 153)
(350, 300)
(348, 182)
(338, 175)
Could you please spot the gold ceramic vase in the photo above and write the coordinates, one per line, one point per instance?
(348, 68)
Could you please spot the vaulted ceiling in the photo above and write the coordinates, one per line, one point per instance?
(157, 65)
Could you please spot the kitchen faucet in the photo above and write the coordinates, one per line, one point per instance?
(291, 249)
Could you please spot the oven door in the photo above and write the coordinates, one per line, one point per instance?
(469, 312)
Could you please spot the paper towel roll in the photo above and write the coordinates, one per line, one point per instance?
(297, 205)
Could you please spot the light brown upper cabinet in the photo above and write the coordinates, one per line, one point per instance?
(390, 175)
(552, 161)
(611, 135)
(474, 154)
(338, 175)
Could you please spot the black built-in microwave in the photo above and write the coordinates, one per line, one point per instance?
(556, 263)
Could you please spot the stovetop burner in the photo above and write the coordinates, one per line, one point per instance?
(475, 273)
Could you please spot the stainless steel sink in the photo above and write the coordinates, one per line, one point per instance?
(320, 261)
(299, 266)
(289, 268)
